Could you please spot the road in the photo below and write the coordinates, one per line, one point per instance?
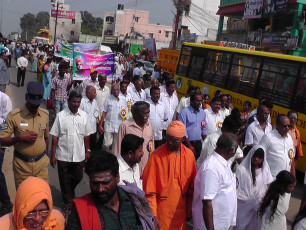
(17, 95)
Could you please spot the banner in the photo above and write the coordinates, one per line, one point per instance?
(63, 14)
(237, 45)
(272, 6)
(274, 40)
(92, 48)
(150, 44)
(83, 63)
(64, 51)
(253, 9)
(188, 37)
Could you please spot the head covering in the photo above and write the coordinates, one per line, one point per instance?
(3, 49)
(29, 194)
(245, 185)
(35, 92)
(176, 129)
(93, 70)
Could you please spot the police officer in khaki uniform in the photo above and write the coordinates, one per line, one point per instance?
(30, 126)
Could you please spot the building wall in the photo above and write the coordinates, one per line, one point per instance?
(128, 22)
(65, 26)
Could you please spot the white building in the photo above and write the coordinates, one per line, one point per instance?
(200, 18)
(69, 26)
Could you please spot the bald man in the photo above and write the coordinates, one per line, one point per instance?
(168, 180)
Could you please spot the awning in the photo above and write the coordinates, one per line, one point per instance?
(231, 9)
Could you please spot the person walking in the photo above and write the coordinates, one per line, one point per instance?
(22, 64)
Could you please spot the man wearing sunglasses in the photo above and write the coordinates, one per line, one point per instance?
(279, 147)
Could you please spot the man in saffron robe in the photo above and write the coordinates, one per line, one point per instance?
(168, 180)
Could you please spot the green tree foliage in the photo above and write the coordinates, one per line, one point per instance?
(30, 24)
(91, 25)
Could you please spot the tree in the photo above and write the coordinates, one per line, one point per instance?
(91, 25)
(30, 24)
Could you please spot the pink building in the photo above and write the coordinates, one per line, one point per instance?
(132, 23)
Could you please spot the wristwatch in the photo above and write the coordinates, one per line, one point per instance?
(88, 150)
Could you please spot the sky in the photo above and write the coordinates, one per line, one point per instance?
(161, 11)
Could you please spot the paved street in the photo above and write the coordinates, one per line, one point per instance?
(17, 96)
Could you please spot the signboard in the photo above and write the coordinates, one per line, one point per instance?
(188, 37)
(275, 40)
(92, 48)
(64, 51)
(237, 45)
(253, 9)
(150, 44)
(63, 14)
(272, 6)
(83, 63)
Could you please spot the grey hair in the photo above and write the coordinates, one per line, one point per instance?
(88, 88)
(115, 84)
(227, 142)
(139, 106)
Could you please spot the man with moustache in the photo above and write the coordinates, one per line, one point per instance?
(109, 206)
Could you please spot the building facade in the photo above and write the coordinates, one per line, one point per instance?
(269, 25)
(68, 27)
(126, 23)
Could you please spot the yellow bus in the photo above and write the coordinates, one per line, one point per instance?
(247, 76)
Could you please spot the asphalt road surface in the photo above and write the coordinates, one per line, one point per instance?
(17, 95)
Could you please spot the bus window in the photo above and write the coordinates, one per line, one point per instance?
(216, 68)
(299, 103)
(277, 81)
(244, 73)
(196, 67)
(184, 61)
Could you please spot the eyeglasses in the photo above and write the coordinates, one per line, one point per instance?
(42, 213)
(286, 126)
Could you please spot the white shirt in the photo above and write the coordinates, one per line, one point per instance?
(210, 144)
(128, 174)
(102, 94)
(5, 108)
(254, 132)
(158, 116)
(22, 62)
(147, 91)
(254, 112)
(130, 87)
(184, 103)
(137, 71)
(119, 68)
(127, 100)
(92, 110)
(171, 103)
(136, 96)
(71, 129)
(278, 150)
(224, 112)
(87, 83)
(113, 107)
(301, 225)
(215, 181)
(213, 121)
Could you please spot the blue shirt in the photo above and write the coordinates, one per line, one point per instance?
(194, 122)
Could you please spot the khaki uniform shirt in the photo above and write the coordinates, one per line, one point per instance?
(21, 120)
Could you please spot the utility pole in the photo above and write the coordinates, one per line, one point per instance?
(54, 40)
(179, 12)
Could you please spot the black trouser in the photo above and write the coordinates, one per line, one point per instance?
(9, 60)
(93, 141)
(197, 145)
(21, 74)
(70, 175)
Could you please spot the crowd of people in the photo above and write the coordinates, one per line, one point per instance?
(153, 161)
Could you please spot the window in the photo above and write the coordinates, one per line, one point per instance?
(166, 34)
(151, 35)
(63, 23)
(184, 61)
(108, 32)
(244, 73)
(196, 67)
(277, 81)
(109, 19)
(216, 68)
(136, 19)
(159, 31)
(72, 33)
(73, 21)
(299, 103)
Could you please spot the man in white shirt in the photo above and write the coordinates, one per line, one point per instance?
(185, 101)
(232, 125)
(154, 82)
(279, 147)
(70, 147)
(138, 94)
(171, 101)
(259, 127)
(214, 119)
(158, 115)
(5, 108)
(22, 64)
(89, 105)
(92, 81)
(103, 92)
(215, 188)
(119, 68)
(131, 154)
(137, 71)
(114, 112)
(224, 102)
(126, 97)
